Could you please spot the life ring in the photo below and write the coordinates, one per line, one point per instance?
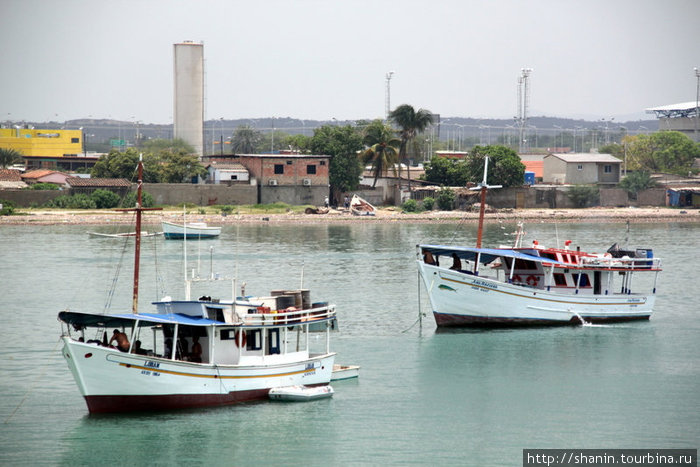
(242, 335)
(516, 279)
(532, 281)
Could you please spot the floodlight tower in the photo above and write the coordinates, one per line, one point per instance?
(389, 74)
(523, 104)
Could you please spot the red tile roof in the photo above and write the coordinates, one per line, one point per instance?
(37, 174)
(98, 182)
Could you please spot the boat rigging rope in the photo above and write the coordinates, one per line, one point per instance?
(115, 279)
(32, 385)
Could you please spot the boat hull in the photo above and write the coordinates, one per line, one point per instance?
(178, 231)
(463, 300)
(112, 381)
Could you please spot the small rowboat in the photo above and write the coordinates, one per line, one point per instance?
(124, 234)
(341, 372)
(190, 230)
(300, 393)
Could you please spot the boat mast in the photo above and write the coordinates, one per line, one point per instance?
(137, 235)
(137, 246)
(483, 187)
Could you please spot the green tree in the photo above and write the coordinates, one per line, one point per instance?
(179, 167)
(505, 167)
(118, 164)
(583, 195)
(8, 207)
(446, 199)
(129, 201)
(9, 157)
(446, 171)
(341, 143)
(299, 143)
(410, 122)
(663, 151)
(383, 148)
(635, 182)
(245, 140)
(105, 199)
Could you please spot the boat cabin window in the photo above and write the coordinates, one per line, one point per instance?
(273, 341)
(216, 314)
(548, 255)
(585, 282)
(253, 340)
(520, 264)
(559, 279)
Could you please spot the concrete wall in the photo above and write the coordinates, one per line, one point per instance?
(295, 195)
(30, 198)
(202, 195)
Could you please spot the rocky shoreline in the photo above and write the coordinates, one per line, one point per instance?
(607, 215)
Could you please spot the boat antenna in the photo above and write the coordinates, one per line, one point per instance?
(483, 187)
(137, 243)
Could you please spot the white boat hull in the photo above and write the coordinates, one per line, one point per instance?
(300, 393)
(192, 230)
(113, 381)
(341, 372)
(459, 299)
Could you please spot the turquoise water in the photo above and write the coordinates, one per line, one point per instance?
(423, 397)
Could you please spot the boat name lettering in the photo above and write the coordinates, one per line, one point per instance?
(151, 364)
(484, 284)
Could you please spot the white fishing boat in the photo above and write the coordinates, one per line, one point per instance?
(341, 372)
(196, 353)
(360, 207)
(191, 230)
(475, 286)
(300, 393)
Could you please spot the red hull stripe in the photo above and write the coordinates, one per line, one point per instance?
(449, 320)
(108, 404)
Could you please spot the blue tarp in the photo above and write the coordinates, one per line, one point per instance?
(487, 254)
(127, 319)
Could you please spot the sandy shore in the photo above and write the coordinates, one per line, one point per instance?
(55, 217)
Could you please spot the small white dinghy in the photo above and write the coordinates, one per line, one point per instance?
(341, 372)
(300, 393)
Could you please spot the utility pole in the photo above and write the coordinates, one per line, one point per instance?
(523, 105)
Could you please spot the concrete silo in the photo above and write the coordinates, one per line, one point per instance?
(188, 61)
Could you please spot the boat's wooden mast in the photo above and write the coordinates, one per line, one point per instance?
(137, 246)
(137, 235)
(482, 203)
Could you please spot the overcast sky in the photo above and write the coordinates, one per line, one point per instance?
(324, 59)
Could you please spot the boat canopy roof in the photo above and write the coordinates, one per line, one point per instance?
(127, 319)
(487, 254)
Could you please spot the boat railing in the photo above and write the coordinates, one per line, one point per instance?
(264, 317)
(622, 263)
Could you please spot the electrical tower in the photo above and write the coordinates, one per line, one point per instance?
(523, 106)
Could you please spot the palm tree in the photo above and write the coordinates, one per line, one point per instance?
(382, 148)
(411, 123)
(245, 140)
(9, 157)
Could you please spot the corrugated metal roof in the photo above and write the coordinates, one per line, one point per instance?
(673, 107)
(586, 157)
(97, 182)
(229, 166)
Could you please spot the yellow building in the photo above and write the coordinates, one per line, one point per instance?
(42, 143)
(49, 149)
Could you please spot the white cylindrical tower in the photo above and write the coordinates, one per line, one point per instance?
(188, 113)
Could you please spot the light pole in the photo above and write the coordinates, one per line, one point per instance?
(389, 74)
(562, 137)
(697, 103)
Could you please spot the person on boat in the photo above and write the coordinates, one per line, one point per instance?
(168, 349)
(428, 258)
(196, 354)
(122, 340)
(456, 262)
(137, 349)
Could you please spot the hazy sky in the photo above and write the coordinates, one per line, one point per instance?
(324, 59)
